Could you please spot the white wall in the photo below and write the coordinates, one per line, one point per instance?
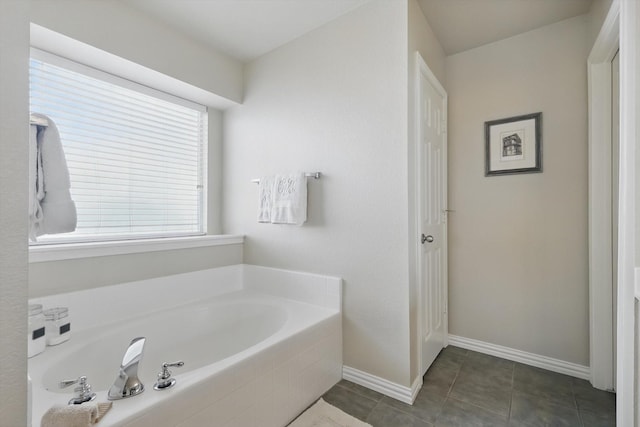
(54, 277)
(423, 40)
(597, 14)
(123, 31)
(518, 243)
(335, 101)
(154, 45)
(14, 108)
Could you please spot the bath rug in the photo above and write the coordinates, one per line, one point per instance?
(84, 415)
(323, 414)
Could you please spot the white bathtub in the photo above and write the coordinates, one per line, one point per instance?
(259, 345)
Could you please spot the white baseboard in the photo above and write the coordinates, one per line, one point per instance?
(408, 394)
(544, 362)
(386, 387)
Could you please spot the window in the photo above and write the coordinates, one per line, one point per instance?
(136, 156)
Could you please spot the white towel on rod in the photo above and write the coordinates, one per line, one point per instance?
(58, 209)
(265, 198)
(36, 192)
(289, 205)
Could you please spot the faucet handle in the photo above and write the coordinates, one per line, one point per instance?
(81, 381)
(177, 364)
(164, 377)
(67, 383)
(84, 390)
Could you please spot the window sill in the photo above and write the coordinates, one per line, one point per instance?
(66, 251)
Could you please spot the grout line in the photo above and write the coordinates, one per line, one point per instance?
(350, 390)
(474, 404)
(409, 414)
(482, 408)
(466, 356)
(513, 379)
(366, 420)
(447, 396)
(454, 381)
(440, 411)
(573, 394)
(580, 418)
(575, 402)
(412, 415)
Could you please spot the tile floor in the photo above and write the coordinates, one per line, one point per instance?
(469, 389)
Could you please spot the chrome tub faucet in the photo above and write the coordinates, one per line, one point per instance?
(127, 383)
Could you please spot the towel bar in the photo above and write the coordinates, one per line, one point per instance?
(314, 175)
(38, 121)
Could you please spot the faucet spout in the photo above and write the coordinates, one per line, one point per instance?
(127, 383)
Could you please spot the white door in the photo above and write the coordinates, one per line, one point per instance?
(432, 171)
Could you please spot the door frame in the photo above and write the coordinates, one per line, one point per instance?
(601, 322)
(422, 69)
(626, 397)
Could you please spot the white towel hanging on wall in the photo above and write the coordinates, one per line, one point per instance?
(265, 198)
(282, 199)
(289, 199)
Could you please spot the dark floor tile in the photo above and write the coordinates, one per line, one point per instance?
(451, 357)
(489, 366)
(490, 393)
(468, 389)
(352, 403)
(435, 388)
(362, 391)
(578, 383)
(531, 411)
(437, 381)
(601, 419)
(594, 400)
(544, 384)
(460, 414)
(387, 416)
(424, 408)
(452, 349)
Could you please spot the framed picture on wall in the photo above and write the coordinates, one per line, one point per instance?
(513, 145)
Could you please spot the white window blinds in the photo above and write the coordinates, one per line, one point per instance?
(136, 156)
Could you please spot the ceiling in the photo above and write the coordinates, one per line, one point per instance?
(461, 25)
(247, 29)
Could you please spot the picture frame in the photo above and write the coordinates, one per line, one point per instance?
(513, 145)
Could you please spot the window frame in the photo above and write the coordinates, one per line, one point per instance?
(69, 251)
(109, 77)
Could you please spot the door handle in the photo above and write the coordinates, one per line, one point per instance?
(427, 239)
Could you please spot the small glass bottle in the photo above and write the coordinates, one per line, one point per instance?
(58, 324)
(36, 333)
